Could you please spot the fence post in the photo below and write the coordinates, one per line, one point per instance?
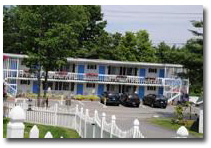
(182, 132)
(94, 123)
(15, 128)
(81, 114)
(102, 124)
(55, 114)
(48, 135)
(34, 132)
(113, 121)
(135, 128)
(76, 114)
(86, 116)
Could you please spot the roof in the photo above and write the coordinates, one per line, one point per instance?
(110, 62)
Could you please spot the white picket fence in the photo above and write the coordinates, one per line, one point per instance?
(77, 119)
(73, 118)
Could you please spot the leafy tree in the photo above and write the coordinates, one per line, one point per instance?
(49, 35)
(193, 60)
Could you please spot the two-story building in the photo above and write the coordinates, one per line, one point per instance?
(88, 76)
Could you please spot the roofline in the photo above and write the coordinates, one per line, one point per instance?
(101, 61)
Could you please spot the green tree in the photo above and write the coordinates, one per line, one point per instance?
(49, 35)
(193, 60)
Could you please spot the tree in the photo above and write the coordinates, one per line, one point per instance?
(193, 60)
(49, 35)
(146, 53)
(11, 29)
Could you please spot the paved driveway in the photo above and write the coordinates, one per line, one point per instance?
(126, 115)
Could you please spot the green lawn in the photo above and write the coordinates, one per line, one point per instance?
(57, 132)
(166, 123)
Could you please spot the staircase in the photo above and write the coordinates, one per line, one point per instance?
(11, 89)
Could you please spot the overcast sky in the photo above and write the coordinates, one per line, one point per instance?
(164, 23)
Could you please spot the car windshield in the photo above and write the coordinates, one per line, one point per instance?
(160, 97)
(112, 94)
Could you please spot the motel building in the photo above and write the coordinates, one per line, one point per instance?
(88, 76)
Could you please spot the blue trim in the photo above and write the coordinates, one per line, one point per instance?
(142, 72)
(101, 71)
(141, 92)
(161, 73)
(35, 87)
(80, 89)
(13, 64)
(100, 89)
(80, 70)
(160, 90)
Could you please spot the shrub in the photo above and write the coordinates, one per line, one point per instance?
(79, 97)
(179, 112)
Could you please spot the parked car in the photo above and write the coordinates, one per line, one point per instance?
(131, 99)
(154, 100)
(109, 98)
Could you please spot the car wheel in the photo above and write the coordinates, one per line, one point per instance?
(164, 107)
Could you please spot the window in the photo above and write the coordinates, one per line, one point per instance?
(90, 85)
(25, 82)
(152, 70)
(91, 67)
(66, 86)
(72, 86)
(151, 88)
(58, 86)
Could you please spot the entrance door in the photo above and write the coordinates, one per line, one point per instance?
(100, 89)
(35, 87)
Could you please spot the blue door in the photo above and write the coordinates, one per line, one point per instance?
(101, 71)
(161, 73)
(80, 89)
(160, 90)
(141, 92)
(35, 87)
(81, 71)
(13, 64)
(142, 72)
(100, 89)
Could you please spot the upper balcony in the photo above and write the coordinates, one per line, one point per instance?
(96, 78)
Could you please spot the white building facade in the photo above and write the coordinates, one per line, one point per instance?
(88, 76)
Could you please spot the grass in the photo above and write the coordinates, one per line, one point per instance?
(167, 123)
(57, 132)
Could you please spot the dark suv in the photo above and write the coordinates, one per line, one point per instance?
(131, 100)
(155, 100)
(110, 98)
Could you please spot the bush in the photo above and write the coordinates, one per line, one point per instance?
(86, 97)
(179, 112)
(79, 97)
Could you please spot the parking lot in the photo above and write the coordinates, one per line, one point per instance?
(126, 115)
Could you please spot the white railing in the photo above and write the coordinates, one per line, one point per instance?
(96, 78)
(73, 118)
(11, 89)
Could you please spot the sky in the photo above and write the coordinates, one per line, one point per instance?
(169, 23)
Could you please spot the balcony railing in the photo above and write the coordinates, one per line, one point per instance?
(94, 77)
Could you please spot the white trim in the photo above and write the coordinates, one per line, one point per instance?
(110, 62)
